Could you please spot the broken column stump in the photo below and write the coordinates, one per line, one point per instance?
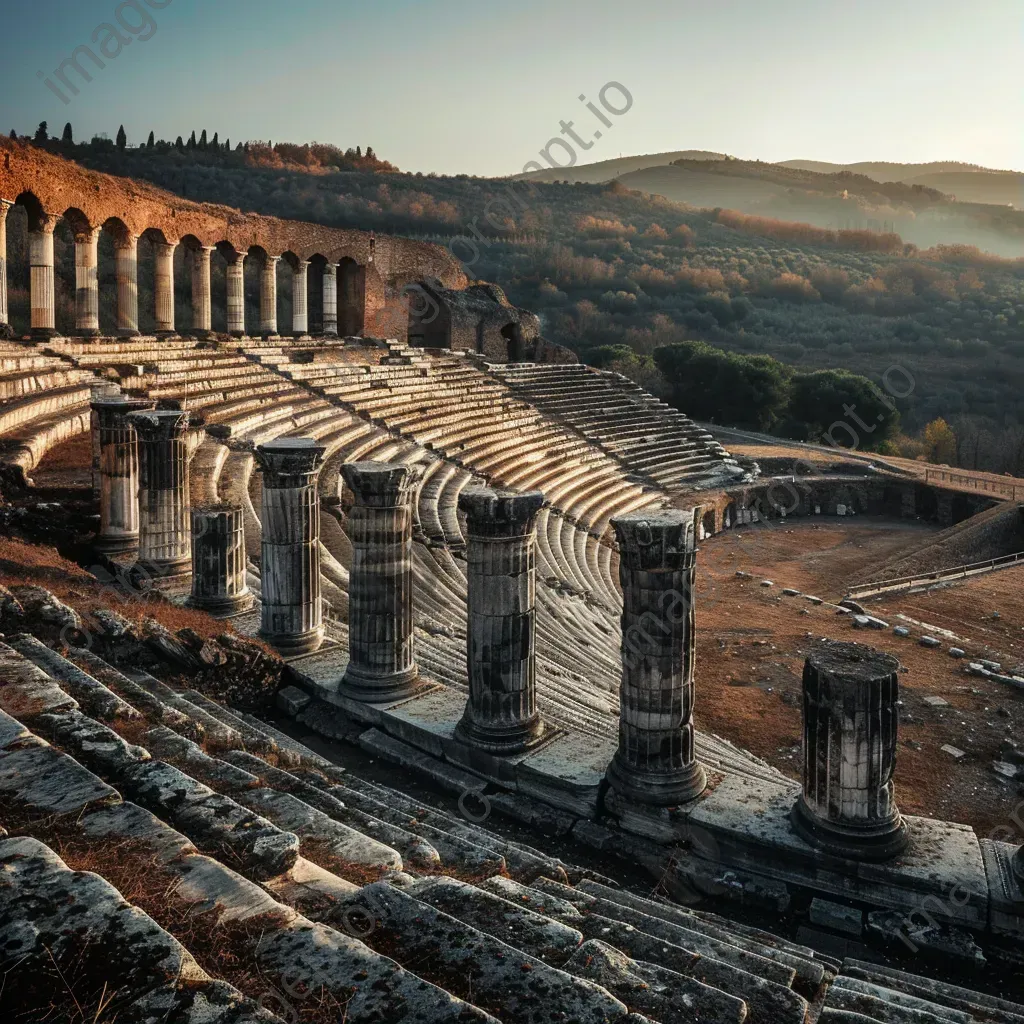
(655, 763)
(848, 807)
(218, 561)
(501, 714)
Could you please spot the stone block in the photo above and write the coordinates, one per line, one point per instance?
(837, 916)
(291, 700)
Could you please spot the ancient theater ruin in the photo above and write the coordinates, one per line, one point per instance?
(365, 686)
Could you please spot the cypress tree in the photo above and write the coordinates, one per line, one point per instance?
(122, 139)
(68, 135)
(151, 141)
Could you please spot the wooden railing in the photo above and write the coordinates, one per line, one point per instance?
(940, 576)
(981, 483)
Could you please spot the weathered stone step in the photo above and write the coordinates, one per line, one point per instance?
(767, 1002)
(878, 1009)
(697, 942)
(457, 854)
(214, 822)
(416, 852)
(346, 851)
(845, 994)
(652, 989)
(97, 699)
(800, 959)
(979, 1004)
(506, 981)
(70, 942)
(540, 936)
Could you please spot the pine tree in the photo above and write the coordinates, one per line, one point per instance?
(14, 134)
(42, 132)
(68, 135)
(359, 152)
(122, 139)
(215, 145)
(369, 153)
(202, 140)
(179, 145)
(151, 141)
(227, 146)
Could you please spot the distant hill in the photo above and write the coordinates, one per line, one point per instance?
(608, 170)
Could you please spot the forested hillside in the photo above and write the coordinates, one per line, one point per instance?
(605, 265)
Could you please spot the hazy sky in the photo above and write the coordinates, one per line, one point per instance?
(480, 87)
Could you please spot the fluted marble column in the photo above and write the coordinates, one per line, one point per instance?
(202, 306)
(5, 205)
(655, 762)
(87, 285)
(165, 535)
(268, 297)
(382, 663)
(501, 714)
(236, 294)
(300, 299)
(851, 718)
(163, 286)
(330, 301)
(291, 612)
(218, 561)
(126, 268)
(41, 284)
(118, 450)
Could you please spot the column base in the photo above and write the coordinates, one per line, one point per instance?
(45, 332)
(379, 689)
(238, 334)
(294, 644)
(222, 607)
(87, 332)
(200, 335)
(875, 842)
(127, 332)
(502, 740)
(658, 789)
(270, 335)
(166, 334)
(117, 545)
(159, 570)
(330, 334)
(299, 335)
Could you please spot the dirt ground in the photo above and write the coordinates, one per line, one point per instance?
(752, 641)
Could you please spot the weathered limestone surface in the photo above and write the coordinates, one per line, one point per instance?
(87, 287)
(219, 561)
(41, 283)
(300, 299)
(848, 806)
(165, 536)
(118, 446)
(382, 663)
(236, 294)
(126, 268)
(291, 612)
(501, 714)
(163, 281)
(655, 762)
(202, 306)
(268, 297)
(330, 292)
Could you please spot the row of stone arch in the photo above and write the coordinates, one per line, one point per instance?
(328, 297)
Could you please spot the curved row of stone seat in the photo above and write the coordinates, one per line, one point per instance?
(648, 435)
(44, 401)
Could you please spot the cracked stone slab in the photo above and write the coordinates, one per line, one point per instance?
(26, 691)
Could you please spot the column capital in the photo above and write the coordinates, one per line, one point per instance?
(289, 461)
(302, 265)
(88, 237)
(381, 484)
(331, 269)
(126, 243)
(167, 246)
(659, 539)
(237, 258)
(492, 512)
(6, 204)
(119, 405)
(271, 259)
(46, 224)
(206, 250)
(159, 424)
